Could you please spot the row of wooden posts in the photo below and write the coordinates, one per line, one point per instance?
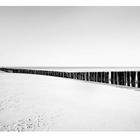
(125, 78)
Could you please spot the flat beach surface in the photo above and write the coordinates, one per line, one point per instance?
(34, 102)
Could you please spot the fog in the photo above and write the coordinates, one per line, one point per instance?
(69, 36)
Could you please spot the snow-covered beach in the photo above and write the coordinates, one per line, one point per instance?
(34, 102)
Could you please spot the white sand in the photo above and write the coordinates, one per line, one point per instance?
(34, 102)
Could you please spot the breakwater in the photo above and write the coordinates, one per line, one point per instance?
(123, 78)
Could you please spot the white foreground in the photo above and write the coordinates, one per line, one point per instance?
(34, 102)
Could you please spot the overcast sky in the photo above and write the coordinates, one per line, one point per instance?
(70, 36)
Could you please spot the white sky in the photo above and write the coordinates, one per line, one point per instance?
(69, 36)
